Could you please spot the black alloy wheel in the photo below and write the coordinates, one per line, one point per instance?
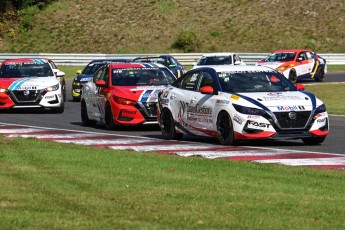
(225, 131)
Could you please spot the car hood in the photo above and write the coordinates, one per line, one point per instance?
(28, 83)
(140, 93)
(277, 101)
(274, 64)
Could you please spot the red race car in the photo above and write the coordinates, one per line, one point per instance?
(124, 94)
(297, 64)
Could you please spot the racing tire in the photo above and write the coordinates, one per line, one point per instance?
(225, 130)
(76, 99)
(320, 74)
(109, 118)
(61, 108)
(313, 140)
(85, 121)
(168, 126)
(293, 76)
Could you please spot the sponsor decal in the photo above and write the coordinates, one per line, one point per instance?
(257, 125)
(166, 93)
(224, 102)
(290, 107)
(321, 120)
(86, 79)
(238, 119)
(234, 97)
(164, 101)
(49, 97)
(278, 97)
(199, 109)
(128, 112)
(253, 117)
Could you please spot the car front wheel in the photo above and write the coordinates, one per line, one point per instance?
(168, 126)
(293, 76)
(109, 118)
(225, 130)
(85, 121)
(320, 74)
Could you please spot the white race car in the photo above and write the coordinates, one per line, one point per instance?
(236, 103)
(30, 83)
(222, 58)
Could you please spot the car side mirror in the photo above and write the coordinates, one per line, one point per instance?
(59, 73)
(207, 90)
(300, 87)
(172, 66)
(299, 59)
(79, 71)
(237, 63)
(101, 83)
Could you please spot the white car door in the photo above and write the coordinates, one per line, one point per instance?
(202, 105)
(180, 99)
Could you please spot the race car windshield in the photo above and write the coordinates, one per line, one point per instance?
(216, 60)
(153, 60)
(289, 56)
(242, 82)
(139, 77)
(92, 68)
(20, 70)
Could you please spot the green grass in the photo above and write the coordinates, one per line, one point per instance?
(333, 95)
(136, 26)
(64, 186)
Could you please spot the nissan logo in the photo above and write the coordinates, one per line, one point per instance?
(292, 115)
(26, 93)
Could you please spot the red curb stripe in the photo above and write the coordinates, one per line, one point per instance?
(281, 156)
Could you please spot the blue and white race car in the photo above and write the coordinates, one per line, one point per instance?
(234, 103)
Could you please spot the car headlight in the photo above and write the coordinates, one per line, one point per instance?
(281, 68)
(3, 90)
(52, 88)
(320, 109)
(249, 111)
(76, 83)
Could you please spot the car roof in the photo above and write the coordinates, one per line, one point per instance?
(240, 68)
(136, 65)
(111, 60)
(291, 50)
(218, 54)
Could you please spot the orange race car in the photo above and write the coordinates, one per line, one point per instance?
(297, 64)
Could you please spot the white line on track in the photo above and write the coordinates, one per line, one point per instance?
(180, 148)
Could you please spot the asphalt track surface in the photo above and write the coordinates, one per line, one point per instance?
(70, 120)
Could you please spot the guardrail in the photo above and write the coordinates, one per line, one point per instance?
(183, 58)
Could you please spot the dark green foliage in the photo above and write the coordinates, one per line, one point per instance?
(187, 41)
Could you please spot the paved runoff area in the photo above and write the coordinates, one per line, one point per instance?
(180, 148)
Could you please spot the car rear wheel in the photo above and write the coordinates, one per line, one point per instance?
(225, 131)
(168, 126)
(109, 118)
(293, 76)
(85, 121)
(320, 74)
(313, 140)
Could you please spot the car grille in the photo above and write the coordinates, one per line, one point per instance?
(299, 123)
(26, 96)
(148, 110)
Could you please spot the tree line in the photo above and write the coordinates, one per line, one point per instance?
(21, 4)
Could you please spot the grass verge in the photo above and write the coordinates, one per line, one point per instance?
(46, 185)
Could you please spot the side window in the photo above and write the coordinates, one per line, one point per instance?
(302, 55)
(99, 74)
(206, 79)
(309, 56)
(187, 82)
